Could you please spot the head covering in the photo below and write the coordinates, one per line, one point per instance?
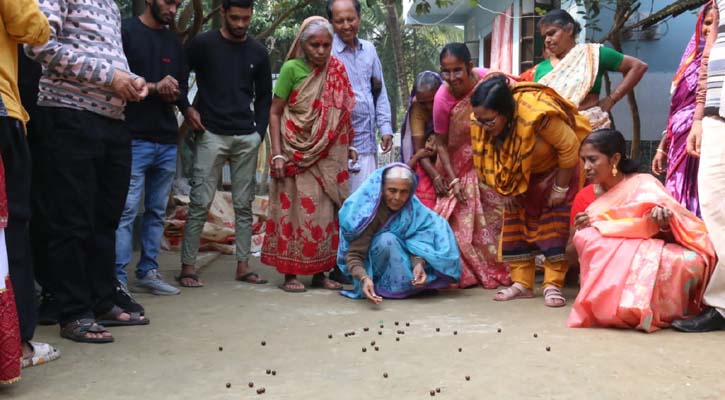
(296, 51)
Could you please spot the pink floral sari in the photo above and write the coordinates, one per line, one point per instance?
(476, 224)
(629, 279)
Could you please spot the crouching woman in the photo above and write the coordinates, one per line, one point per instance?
(390, 243)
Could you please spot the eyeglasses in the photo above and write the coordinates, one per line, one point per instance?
(488, 122)
(452, 74)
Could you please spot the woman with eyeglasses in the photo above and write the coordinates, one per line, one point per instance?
(526, 146)
(474, 214)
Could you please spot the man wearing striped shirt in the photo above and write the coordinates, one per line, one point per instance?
(83, 90)
(706, 142)
(366, 76)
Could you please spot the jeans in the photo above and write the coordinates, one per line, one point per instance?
(17, 164)
(210, 153)
(153, 166)
(88, 170)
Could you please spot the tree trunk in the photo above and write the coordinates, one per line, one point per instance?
(625, 10)
(216, 21)
(138, 7)
(393, 23)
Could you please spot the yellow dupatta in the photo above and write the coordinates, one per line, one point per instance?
(507, 167)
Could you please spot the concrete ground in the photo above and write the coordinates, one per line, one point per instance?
(178, 356)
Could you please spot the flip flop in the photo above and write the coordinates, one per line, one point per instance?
(515, 291)
(76, 331)
(110, 318)
(245, 278)
(291, 290)
(320, 283)
(188, 276)
(42, 353)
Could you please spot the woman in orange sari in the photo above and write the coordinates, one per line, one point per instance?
(474, 213)
(311, 132)
(645, 259)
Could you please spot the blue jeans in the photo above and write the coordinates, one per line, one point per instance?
(153, 167)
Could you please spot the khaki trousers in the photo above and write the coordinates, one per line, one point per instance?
(210, 154)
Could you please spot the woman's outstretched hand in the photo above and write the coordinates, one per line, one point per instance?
(419, 275)
(368, 290)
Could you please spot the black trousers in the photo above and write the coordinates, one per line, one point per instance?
(17, 163)
(88, 166)
(37, 140)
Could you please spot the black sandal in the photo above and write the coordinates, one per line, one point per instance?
(76, 331)
(110, 318)
(195, 277)
(258, 281)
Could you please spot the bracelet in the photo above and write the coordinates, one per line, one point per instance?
(661, 151)
(559, 189)
(282, 156)
(362, 280)
(453, 182)
(353, 149)
(438, 177)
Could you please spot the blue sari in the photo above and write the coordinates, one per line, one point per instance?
(413, 230)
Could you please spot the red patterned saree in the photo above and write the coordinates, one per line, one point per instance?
(302, 227)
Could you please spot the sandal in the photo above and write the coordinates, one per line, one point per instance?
(42, 353)
(291, 289)
(76, 331)
(257, 279)
(553, 297)
(110, 318)
(515, 291)
(326, 283)
(194, 277)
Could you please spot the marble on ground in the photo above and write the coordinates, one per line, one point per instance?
(177, 356)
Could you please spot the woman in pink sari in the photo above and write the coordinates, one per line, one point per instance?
(475, 213)
(681, 177)
(645, 259)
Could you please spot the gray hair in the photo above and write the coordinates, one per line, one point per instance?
(398, 172)
(314, 28)
(427, 81)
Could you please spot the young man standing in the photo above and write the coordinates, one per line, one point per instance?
(366, 74)
(155, 53)
(235, 93)
(84, 87)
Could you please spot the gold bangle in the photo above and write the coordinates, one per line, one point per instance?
(438, 177)
(453, 182)
(661, 151)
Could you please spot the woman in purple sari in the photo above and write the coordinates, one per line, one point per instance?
(681, 171)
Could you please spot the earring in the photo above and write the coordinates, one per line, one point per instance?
(614, 170)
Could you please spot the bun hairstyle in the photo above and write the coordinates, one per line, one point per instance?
(427, 81)
(610, 142)
(562, 19)
(458, 50)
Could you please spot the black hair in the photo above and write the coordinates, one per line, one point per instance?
(494, 93)
(560, 18)
(457, 50)
(355, 3)
(610, 142)
(227, 4)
